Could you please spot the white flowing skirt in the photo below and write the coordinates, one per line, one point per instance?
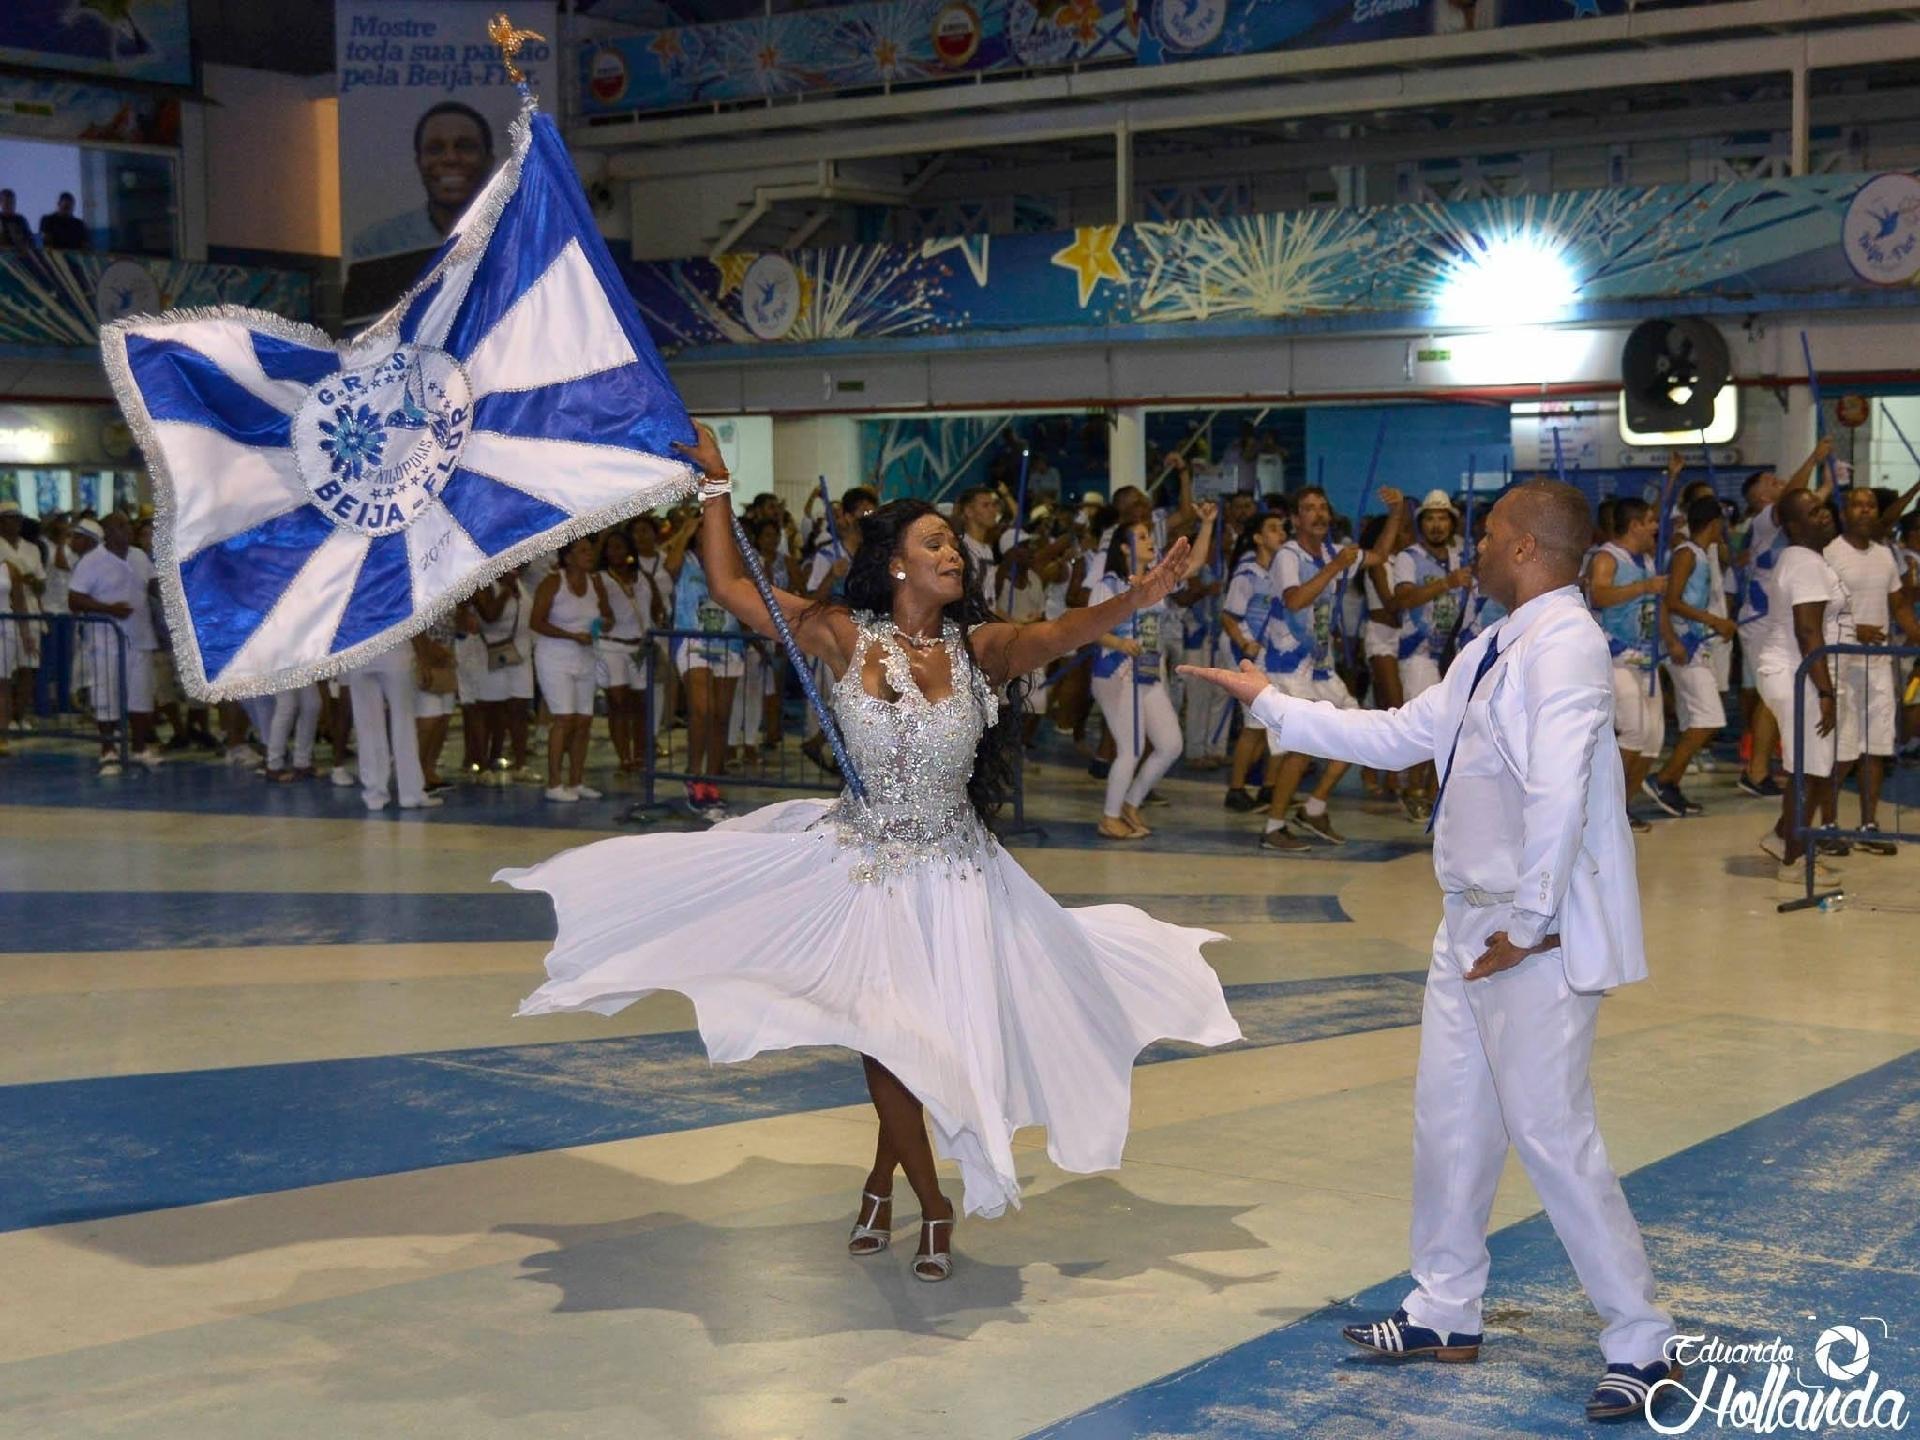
(994, 1005)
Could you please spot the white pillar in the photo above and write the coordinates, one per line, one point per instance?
(1796, 435)
(1801, 122)
(1127, 449)
(805, 449)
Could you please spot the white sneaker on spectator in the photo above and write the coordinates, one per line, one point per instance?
(150, 757)
(109, 765)
(560, 794)
(241, 757)
(343, 777)
(1773, 845)
(374, 802)
(586, 792)
(425, 802)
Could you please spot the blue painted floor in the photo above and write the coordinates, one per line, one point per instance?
(83, 1149)
(1809, 1217)
(83, 921)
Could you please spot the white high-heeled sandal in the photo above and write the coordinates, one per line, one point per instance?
(864, 1231)
(933, 1268)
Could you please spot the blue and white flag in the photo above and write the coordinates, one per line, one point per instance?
(316, 504)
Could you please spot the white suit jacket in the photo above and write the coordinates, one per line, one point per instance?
(1549, 699)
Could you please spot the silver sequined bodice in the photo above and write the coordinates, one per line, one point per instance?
(914, 756)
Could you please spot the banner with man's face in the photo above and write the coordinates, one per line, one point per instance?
(425, 102)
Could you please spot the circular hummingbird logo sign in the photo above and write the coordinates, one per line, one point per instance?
(1882, 229)
(376, 444)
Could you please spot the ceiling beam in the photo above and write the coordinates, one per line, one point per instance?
(1251, 104)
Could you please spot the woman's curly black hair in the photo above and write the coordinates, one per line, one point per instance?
(870, 586)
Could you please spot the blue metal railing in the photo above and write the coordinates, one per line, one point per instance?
(1809, 835)
(47, 626)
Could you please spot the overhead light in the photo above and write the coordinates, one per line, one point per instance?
(1517, 279)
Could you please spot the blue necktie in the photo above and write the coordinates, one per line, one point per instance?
(1491, 654)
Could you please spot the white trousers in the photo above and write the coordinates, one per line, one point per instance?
(1504, 1062)
(1132, 776)
(296, 718)
(382, 693)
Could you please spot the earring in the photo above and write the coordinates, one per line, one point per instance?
(899, 574)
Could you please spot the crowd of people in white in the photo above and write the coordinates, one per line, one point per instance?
(1717, 597)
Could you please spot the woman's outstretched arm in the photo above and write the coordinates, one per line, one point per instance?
(1004, 650)
(824, 632)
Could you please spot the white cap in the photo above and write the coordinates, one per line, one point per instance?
(89, 528)
(1092, 497)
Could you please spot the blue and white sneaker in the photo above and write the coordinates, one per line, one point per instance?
(1397, 1338)
(1625, 1390)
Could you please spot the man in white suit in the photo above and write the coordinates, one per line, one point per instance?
(1542, 914)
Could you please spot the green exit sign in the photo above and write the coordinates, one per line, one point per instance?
(1432, 357)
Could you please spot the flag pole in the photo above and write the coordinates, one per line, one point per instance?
(1819, 410)
(796, 657)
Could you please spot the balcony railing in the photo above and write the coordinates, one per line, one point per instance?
(58, 299)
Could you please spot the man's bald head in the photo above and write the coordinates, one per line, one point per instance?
(1536, 535)
(1558, 518)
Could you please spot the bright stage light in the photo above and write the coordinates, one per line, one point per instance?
(1520, 279)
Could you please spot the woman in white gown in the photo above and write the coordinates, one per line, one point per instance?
(896, 926)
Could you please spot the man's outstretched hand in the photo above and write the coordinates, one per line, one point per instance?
(1244, 684)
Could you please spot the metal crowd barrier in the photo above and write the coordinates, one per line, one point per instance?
(60, 682)
(1810, 835)
(783, 767)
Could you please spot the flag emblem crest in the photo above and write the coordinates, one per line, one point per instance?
(376, 446)
(318, 503)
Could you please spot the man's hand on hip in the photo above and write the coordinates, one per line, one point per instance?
(1503, 954)
(1244, 684)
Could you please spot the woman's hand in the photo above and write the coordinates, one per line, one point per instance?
(1163, 579)
(704, 454)
(1128, 646)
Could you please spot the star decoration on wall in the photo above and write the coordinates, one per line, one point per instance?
(1091, 258)
(733, 271)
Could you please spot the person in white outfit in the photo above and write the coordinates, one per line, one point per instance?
(383, 690)
(570, 612)
(1865, 717)
(1542, 915)
(295, 721)
(116, 579)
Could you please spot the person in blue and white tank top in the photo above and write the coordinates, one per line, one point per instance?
(1624, 587)
(1430, 579)
(1246, 610)
(1430, 582)
(1761, 541)
(1693, 617)
(1306, 575)
(709, 664)
(1130, 680)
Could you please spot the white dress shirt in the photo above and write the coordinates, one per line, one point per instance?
(1534, 804)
